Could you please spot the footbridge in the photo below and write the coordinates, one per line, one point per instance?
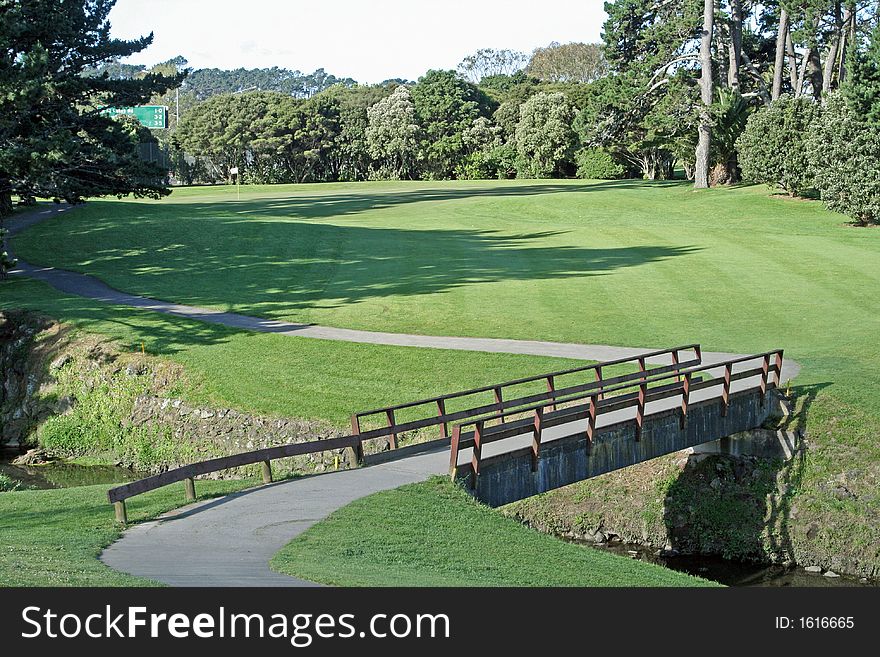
(519, 438)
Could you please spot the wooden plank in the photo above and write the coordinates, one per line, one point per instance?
(227, 462)
(555, 396)
(473, 391)
(685, 399)
(190, 487)
(453, 451)
(536, 438)
(476, 454)
(725, 393)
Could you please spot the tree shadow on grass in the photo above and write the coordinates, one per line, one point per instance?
(277, 267)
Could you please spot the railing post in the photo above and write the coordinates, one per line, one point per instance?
(393, 437)
(356, 431)
(536, 438)
(685, 398)
(498, 400)
(453, 451)
(725, 395)
(599, 379)
(591, 426)
(477, 453)
(765, 372)
(642, 366)
(190, 486)
(640, 410)
(551, 387)
(267, 472)
(675, 362)
(777, 375)
(121, 515)
(441, 411)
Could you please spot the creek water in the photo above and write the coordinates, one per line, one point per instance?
(59, 474)
(727, 572)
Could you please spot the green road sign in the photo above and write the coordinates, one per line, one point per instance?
(150, 116)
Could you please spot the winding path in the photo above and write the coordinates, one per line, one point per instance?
(229, 541)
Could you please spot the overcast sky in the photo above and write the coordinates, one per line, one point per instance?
(367, 41)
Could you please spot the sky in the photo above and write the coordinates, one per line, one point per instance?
(360, 39)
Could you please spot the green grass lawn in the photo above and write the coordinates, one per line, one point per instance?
(626, 262)
(279, 375)
(434, 534)
(53, 537)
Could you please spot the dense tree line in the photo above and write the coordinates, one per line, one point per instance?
(715, 89)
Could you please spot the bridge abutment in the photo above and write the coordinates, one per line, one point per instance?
(510, 476)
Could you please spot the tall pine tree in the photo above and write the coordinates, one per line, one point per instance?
(54, 140)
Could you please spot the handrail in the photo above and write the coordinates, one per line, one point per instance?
(552, 398)
(442, 418)
(594, 406)
(187, 473)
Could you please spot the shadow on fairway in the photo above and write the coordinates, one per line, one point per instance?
(334, 204)
(266, 258)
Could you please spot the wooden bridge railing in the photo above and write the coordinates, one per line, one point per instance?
(436, 411)
(595, 404)
(503, 408)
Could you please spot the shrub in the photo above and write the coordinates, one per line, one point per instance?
(598, 164)
(844, 150)
(545, 140)
(772, 149)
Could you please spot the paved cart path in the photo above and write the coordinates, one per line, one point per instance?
(229, 541)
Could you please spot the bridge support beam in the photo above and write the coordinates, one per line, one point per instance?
(509, 476)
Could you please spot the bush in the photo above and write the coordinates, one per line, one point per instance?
(7, 485)
(772, 149)
(598, 164)
(544, 138)
(844, 151)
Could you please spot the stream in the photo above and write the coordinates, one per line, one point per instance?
(727, 572)
(59, 474)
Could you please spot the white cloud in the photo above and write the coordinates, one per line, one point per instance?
(368, 41)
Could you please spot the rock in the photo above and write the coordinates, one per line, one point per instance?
(34, 457)
(813, 569)
(831, 574)
(715, 483)
(60, 362)
(135, 369)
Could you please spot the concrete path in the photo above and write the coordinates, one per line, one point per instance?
(229, 541)
(90, 287)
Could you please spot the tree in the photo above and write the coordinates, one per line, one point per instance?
(488, 62)
(446, 106)
(772, 149)
(704, 140)
(570, 62)
(545, 140)
(393, 136)
(223, 129)
(862, 87)
(55, 140)
(844, 152)
(351, 160)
